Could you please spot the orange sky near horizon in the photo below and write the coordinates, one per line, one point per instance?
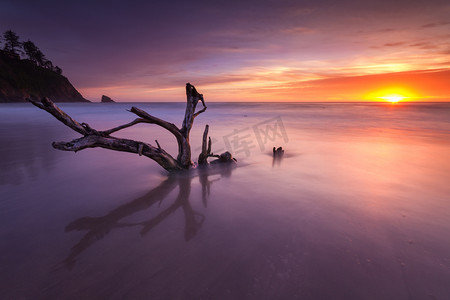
(415, 86)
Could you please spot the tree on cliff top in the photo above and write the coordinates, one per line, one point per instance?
(11, 42)
(35, 55)
(31, 51)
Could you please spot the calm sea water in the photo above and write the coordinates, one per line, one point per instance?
(358, 208)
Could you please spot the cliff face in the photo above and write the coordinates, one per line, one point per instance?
(20, 79)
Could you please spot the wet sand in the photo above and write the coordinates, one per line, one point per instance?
(358, 208)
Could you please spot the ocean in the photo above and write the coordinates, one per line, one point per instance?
(357, 208)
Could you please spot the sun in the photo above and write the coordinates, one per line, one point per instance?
(393, 98)
(393, 94)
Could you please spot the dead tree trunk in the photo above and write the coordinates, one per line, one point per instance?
(225, 157)
(206, 148)
(93, 138)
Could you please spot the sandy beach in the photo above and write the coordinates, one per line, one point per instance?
(358, 208)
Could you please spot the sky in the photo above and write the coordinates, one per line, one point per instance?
(247, 50)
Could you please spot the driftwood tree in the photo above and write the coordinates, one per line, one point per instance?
(94, 138)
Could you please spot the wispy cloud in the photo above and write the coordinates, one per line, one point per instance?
(396, 44)
(431, 25)
(148, 51)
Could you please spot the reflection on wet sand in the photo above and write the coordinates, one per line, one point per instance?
(357, 209)
(99, 227)
(24, 155)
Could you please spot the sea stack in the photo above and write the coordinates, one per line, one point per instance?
(106, 99)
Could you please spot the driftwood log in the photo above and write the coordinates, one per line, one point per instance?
(92, 138)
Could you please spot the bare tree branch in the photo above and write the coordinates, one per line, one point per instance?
(124, 145)
(199, 112)
(154, 120)
(203, 157)
(47, 105)
(192, 98)
(206, 148)
(115, 129)
(93, 138)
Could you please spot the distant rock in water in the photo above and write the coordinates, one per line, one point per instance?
(20, 79)
(106, 99)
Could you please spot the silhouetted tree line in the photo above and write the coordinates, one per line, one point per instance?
(28, 50)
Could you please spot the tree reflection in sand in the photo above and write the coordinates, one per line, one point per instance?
(99, 227)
